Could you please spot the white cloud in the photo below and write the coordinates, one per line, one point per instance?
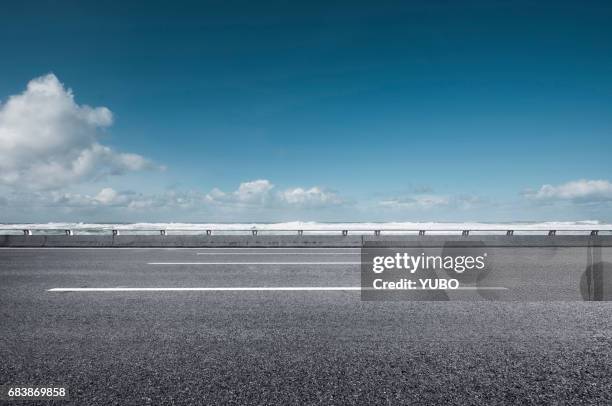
(260, 193)
(109, 197)
(434, 201)
(427, 201)
(313, 197)
(580, 191)
(106, 195)
(48, 141)
(249, 197)
(256, 192)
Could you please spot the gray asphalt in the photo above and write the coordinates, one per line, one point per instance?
(135, 348)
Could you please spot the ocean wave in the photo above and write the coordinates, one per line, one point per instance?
(293, 226)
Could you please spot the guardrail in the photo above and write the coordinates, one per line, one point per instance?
(300, 232)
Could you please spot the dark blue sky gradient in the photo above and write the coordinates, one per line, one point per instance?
(373, 98)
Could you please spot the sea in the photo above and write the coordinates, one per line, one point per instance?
(309, 227)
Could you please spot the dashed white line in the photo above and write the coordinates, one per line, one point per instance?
(280, 248)
(278, 253)
(254, 263)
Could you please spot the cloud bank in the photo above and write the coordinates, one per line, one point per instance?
(253, 195)
(579, 191)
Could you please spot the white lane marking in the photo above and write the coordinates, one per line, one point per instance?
(221, 289)
(278, 253)
(280, 248)
(181, 248)
(254, 289)
(254, 263)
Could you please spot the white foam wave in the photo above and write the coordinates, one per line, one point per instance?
(388, 227)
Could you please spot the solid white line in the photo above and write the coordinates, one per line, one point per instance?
(222, 289)
(253, 289)
(180, 248)
(280, 248)
(254, 263)
(100, 248)
(278, 253)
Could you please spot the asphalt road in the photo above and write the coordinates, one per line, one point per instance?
(282, 347)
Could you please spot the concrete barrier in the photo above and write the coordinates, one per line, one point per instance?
(314, 241)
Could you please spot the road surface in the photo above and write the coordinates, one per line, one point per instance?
(280, 346)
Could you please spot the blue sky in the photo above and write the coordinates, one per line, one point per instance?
(490, 111)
